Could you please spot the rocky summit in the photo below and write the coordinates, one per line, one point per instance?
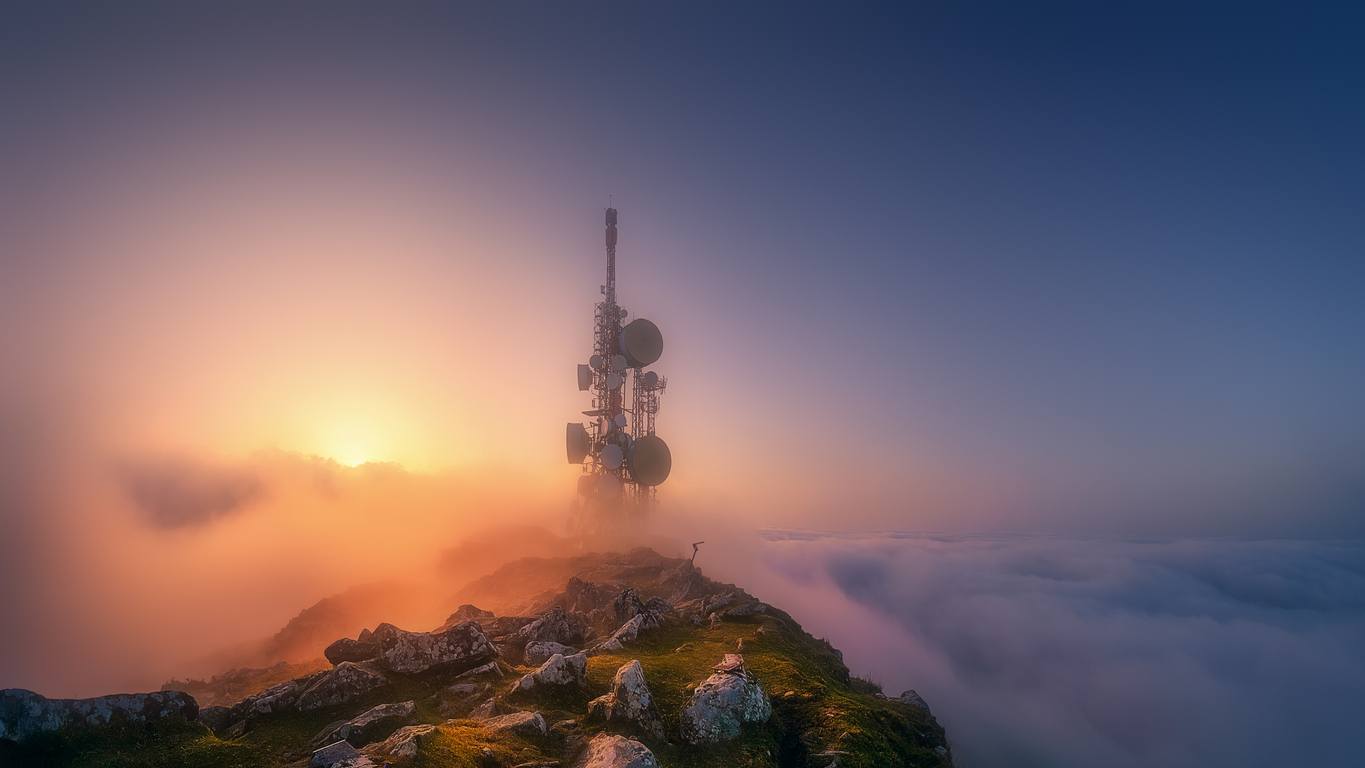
(633, 660)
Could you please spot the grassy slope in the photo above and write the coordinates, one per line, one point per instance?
(823, 711)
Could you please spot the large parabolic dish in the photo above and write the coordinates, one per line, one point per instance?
(641, 342)
(650, 460)
(576, 442)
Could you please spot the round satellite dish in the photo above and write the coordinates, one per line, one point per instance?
(612, 456)
(650, 460)
(650, 379)
(641, 342)
(597, 362)
(614, 380)
(618, 362)
(584, 377)
(620, 420)
(576, 442)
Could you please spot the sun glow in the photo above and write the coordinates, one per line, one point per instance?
(351, 455)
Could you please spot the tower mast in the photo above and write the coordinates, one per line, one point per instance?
(620, 453)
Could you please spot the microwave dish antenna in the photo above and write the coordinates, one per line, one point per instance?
(642, 343)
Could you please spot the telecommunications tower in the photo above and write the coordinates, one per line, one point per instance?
(623, 460)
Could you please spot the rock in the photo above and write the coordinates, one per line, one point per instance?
(403, 745)
(342, 684)
(491, 669)
(216, 718)
(715, 603)
(557, 671)
(492, 708)
(629, 702)
(556, 625)
(732, 663)
(914, 700)
(610, 645)
(627, 605)
(520, 723)
(611, 751)
(537, 651)
(630, 631)
(25, 713)
(330, 755)
(456, 649)
(584, 596)
(565, 728)
(235, 720)
(276, 698)
(372, 724)
(465, 613)
(723, 702)
(751, 608)
(505, 626)
(347, 649)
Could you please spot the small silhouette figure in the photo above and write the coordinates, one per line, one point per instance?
(695, 546)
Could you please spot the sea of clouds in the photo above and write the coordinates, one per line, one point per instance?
(1036, 651)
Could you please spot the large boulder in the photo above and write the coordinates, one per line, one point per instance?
(914, 700)
(607, 750)
(723, 702)
(556, 625)
(372, 724)
(343, 684)
(558, 671)
(347, 649)
(630, 631)
(456, 649)
(537, 651)
(520, 723)
(629, 604)
(629, 702)
(25, 713)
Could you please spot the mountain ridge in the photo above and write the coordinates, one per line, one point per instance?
(600, 659)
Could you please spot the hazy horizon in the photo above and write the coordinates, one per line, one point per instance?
(292, 299)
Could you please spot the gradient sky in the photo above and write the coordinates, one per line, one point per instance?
(949, 266)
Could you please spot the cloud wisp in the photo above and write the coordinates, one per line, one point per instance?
(1063, 652)
(184, 493)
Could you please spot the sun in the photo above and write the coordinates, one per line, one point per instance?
(351, 458)
(351, 450)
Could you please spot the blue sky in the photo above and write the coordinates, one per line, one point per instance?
(1095, 264)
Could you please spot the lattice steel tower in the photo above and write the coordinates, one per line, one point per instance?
(623, 460)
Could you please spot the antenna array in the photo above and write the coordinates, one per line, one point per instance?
(623, 460)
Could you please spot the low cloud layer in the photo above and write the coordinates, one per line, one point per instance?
(1060, 652)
